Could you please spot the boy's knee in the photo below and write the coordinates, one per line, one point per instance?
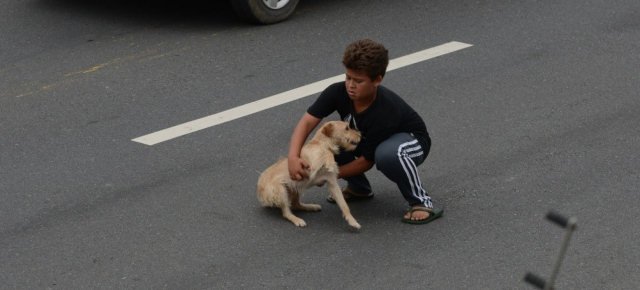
(385, 159)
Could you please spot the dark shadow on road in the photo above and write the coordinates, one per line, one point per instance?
(185, 13)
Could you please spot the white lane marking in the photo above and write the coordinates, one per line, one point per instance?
(286, 97)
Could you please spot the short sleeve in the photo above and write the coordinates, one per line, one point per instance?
(327, 102)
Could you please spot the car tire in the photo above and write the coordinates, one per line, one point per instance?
(264, 11)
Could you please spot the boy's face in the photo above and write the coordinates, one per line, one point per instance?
(359, 86)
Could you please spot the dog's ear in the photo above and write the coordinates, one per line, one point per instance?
(327, 130)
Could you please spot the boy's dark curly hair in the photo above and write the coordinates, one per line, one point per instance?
(368, 56)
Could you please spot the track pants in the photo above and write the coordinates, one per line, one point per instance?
(397, 158)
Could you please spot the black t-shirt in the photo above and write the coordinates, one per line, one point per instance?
(387, 115)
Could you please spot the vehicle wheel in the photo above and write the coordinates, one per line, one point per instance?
(264, 11)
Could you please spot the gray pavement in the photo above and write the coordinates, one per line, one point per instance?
(541, 113)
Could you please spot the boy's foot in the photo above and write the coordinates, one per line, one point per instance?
(350, 195)
(421, 215)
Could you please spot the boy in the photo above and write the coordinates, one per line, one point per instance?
(395, 137)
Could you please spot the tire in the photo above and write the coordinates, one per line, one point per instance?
(264, 11)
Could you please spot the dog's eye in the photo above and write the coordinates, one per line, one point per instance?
(347, 128)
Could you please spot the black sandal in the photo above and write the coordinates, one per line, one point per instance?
(434, 213)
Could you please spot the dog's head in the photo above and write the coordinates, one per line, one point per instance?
(343, 136)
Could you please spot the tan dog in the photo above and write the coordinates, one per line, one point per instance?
(277, 189)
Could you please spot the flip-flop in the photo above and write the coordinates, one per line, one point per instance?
(434, 213)
(349, 195)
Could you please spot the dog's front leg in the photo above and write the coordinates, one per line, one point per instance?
(336, 193)
(286, 213)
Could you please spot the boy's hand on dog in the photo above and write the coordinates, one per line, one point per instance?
(298, 168)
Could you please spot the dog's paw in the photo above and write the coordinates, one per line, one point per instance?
(307, 207)
(299, 223)
(314, 207)
(295, 220)
(353, 223)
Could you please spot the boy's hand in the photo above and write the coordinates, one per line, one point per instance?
(298, 168)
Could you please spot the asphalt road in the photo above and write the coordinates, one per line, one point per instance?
(541, 113)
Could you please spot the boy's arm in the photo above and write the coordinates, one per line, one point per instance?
(355, 167)
(297, 166)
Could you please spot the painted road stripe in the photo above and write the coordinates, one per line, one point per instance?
(286, 97)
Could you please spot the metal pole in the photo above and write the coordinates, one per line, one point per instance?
(571, 226)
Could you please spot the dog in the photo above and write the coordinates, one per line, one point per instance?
(276, 188)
